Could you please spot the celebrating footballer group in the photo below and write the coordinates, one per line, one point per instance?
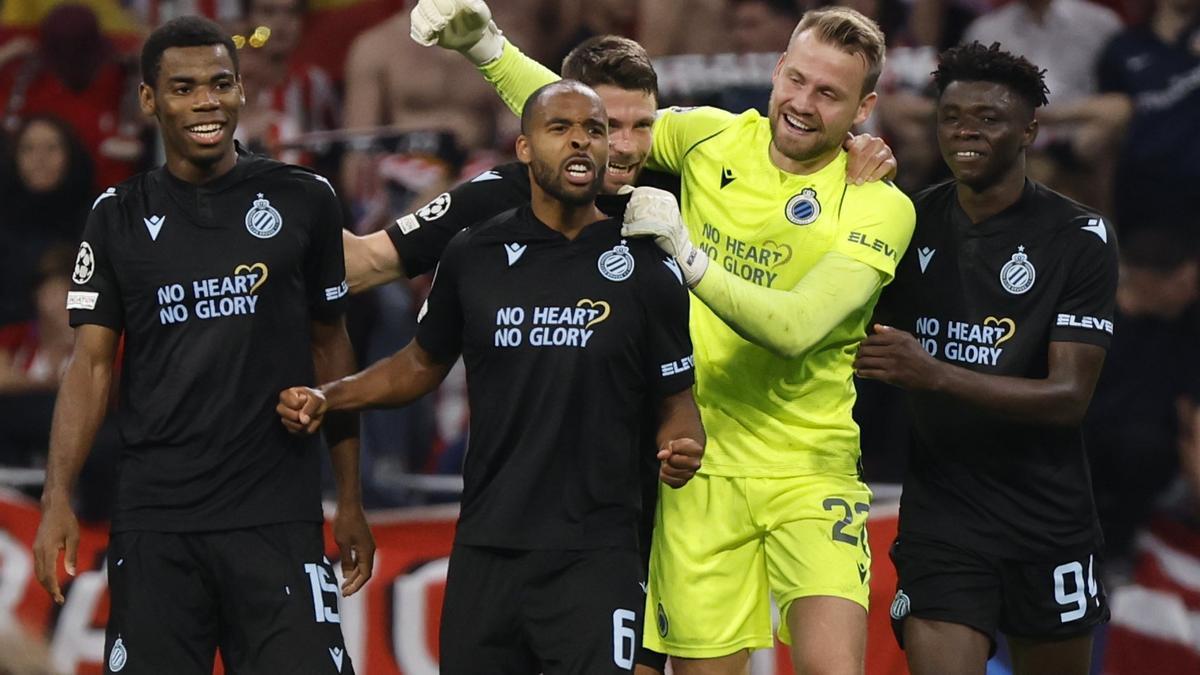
(626, 500)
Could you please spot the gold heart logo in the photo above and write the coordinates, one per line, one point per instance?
(261, 268)
(783, 251)
(600, 304)
(1006, 322)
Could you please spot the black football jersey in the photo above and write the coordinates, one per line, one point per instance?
(991, 297)
(567, 345)
(214, 287)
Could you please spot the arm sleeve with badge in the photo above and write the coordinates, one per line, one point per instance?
(95, 297)
(440, 322)
(677, 130)
(515, 77)
(1084, 312)
(790, 322)
(324, 264)
(669, 345)
(421, 237)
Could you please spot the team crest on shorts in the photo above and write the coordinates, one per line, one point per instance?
(262, 220)
(118, 656)
(663, 624)
(900, 605)
(85, 264)
(803, 209)
(1017, 275)
(616, 264)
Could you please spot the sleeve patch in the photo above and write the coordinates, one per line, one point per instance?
(82, 299)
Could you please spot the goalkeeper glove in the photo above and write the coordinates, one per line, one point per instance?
(465, 26)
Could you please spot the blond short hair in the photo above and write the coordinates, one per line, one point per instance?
(850, 31)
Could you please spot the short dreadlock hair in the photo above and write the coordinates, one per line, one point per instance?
(976, 63)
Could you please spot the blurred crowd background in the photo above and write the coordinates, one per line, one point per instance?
(339, 86)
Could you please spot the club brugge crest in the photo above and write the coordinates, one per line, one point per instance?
(616, 264)
(901, 605)
(1018, 274)
(262, 220)
(118, 656)
(803, 208)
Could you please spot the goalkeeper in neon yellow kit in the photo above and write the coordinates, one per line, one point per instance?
(786, 262)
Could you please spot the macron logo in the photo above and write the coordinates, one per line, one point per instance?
(337, 654)
(154, 224)
(924, 255)
(1096, 227)
(514, 252)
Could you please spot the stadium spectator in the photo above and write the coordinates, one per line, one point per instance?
(682, 27)
(1080, 128)
(284, 99)
(1150, 387)
(45, 190)
(75, 74)
(1156, 65)
(34, 353)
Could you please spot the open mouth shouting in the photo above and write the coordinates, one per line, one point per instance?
(580, 171)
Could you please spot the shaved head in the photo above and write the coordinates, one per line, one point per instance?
(537, 101)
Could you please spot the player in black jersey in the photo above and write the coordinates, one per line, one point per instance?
(1002, 313)
(569, 333)
(224, 273)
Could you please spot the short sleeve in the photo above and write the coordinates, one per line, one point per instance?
(1084, 312)
(440, 322)
(421, 237)
(669, 346)
(876, 226)
(95, 296)
(325, 266)
(678, 130)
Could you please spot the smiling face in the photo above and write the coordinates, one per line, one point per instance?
(566, 144)
(983, 129)
(816, 97)
(196, 100)
(630, 118)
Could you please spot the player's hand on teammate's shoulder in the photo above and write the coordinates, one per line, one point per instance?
(461, 25)
(302, 409)
(57, 531)
(652, 212)
(680, 460)
(356, 544)
(869, 159)
(894, 356)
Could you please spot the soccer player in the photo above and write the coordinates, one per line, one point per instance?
(569, 332)
(997, 328)
(621, 73)
(224, 273)
(799, 258)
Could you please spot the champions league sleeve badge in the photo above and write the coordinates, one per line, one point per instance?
(1018, 274)
(85, 264)
(617, 263)
(262, 220)
(803, 209)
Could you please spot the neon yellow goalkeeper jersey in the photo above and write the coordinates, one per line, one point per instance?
(766, 415)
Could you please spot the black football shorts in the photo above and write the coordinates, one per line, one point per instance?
(1050, 601)
(514, 612)
(265, 596)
